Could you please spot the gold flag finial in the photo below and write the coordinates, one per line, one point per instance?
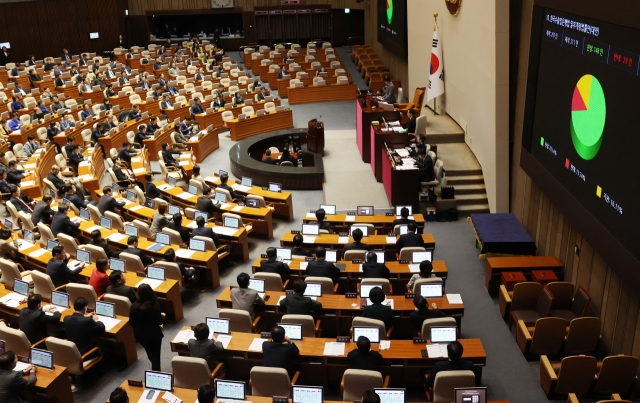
(435, 15)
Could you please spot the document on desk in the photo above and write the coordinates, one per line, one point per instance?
(192, 225)
(85, 178)
(185, 195)
(454, 299)
(360, 268)
(184, 336)
(164, 187)
(38, 253)
(30, 166)
(109, 323)
(95, 227)
(225, 339)
(12, 299)
(280, 299)
(24, 245)
(384, 345)
(391, 239)
(185, 253)
(225, 206)
(153, 283)
(350, 218)
(394, 123)
(21, 366)
(152, 396)
(414, 268)
(343, 239)
(256, 344)
(193, 139)
(437, 350)
(310, 215)
(387, 302)
(138, 159)
(303, 265)
(182, 163)
(56, 307)
(308, 239)
(402, 152)
(224, 230)
(237, 208)
(116, 237)
(171, 398)
(242, 188)
(183, 155)
(139, 170)
(84, 164)
(27, 183)
(136, 208)
(333, 348)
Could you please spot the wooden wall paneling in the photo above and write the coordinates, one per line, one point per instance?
(631, 321)
(585, 263)
(575, 264)
(609, 315)
(620, 321)
(290, 25)
(543, 225)
(596, 286)
(275, 27)
(4, 32)
(534, 207)
(555, 233)
(571, 255)
(635, 349)
(304, 27)
(262, 27)
(525, 201)
(564, 241)
(249, 25)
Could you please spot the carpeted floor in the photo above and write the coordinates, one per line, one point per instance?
(507, 375)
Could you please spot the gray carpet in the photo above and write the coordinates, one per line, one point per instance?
(507, 375)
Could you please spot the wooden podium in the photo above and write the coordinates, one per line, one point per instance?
(315, 137)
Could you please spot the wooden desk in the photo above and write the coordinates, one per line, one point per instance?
(215, 118)
(379, 137)
(52, 385)
(401, 185)
(241, 129)
(322, 93)
(378, 242)
(120, 136)
(283, 84)
(282, 202)
(381, 222)
(364, 116)
(402, 361)
(525, 264)
(204, 144)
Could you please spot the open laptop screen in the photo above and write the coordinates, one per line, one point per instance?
(471, 395)
(283, 253)
(294, 332)
(256, 284)
(107, 309)
(42, 358)
(218, 326)
(230, 390)
(307, 394)
(391, 395)
(370, 332)
(310, 229)
(418, 257)
(158, 380)
(363, 228)
(444, 334)
(365, 289)
(329, 209)
(331, 256)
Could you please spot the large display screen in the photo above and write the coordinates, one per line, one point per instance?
(583, 121)
(392, 25)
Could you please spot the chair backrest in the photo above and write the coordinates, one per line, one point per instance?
(239, 320)
(427, 324)
(132, 262)
(94, 213)
(290, 164)
(355, 254)
(95, 252)
(419, 282)
(13, 211)
(224, 215)
(42, 284)
(545, 303)
(407, 252)
(209, 246)
(260, 199)
(548, 336)
(269, 107)
(563, 292)
(248, 110)
(227, 116)
(400, 90)
(15, 340)
(360, 321)
(525, 296)
(116, 220)
(65, 354)
(327, 283)
(10, 272)
(583, 335)
(386, 286)
(580, 302)
(307, 322)
(176, 239)
(76, 291)
(45, 234)
(272, 281)
(269, 382)
(122, 304)
(69, 244)
(143, 228)
(190, 372)
(576, 374)
(26, 221)
(356, 381)
(446, 382)
(421, 125)
(617, 374)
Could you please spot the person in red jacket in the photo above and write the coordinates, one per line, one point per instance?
(99, 278)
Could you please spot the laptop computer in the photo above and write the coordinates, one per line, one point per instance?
(115, 187)
(84, 214)
(365, 289)
(418, 257)
(171, 180)
(162, 240)
(292, 331)
(2, 346)
(471, 395)
(365, 210)
(404, 229)
(42, 358)
(221, 197)
(331, 256)
(391, 395)
(60, 299)
(307, 394)
(399, 208)
(231, 222)
(201, 214)
(156, 273)
(223, 172)
(51, 244)
(130, 230)
(105, 223)
(283, 254)
(28, 235)
(197, 245)
(107, 309)
(313, 290)
(431, 290)
(21, 287)
(379, 255)
(117, 264)
(148, 202)
(370, 332)
(443, 334)
(257, 284)
(131, 196)
(83, 256)
(174, 210)
(363, 228)
(247, 181)
(310, 229)
(218, 326)
(230, 390)
(275, 187)
(193, 189)
(158, 380)
(329, 209)
(253, 203)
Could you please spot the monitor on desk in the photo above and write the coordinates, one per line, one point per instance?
(107, 309)
(307, 394)
(313, 290)
(329, 209)
(130, 230)
(418, 257)
(404, 229)
(21, 287)
(292, 331)
(158, 380)
(28, 235)
(8, 223)
(275, 187)
(471, 395)
(218, 326)
(242, 116)
(171, 180)
(370, 332)
(310, 229)
(365, 289)
(283, 253)
(260, 112)
(365, 210)
(234, 390)
(399, 209)
(197, 245)
(84, 214)
(156, 273)
(431, 290)
(117, 264)
(42, 358)
(205, 216)
(83, 256)
(221, 197)
(174, 210)
(331, 256)
(162, 238)
(443, 334)
(379, 255)
(231, 222)
(115, 187)
(51, 244)
(2, 344)
(247, 181)
(148, 202)
(363, 228)
(131, 196)
(60, 299)
(389, 395)
(253, 203)
(256, 284)
(193, 189)
(105, 223)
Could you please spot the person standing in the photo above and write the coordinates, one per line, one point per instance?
(146, 318)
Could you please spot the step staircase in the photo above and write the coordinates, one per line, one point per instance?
(470, 191)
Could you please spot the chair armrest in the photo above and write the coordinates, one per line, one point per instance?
(342, 386)
(389, 332)
(386, 382)
(87, 355)
(427, 391)
(20, 267)
(523, 337)
(335, 288)
(548, 377)
(409, 290)
(39, 342)
(616, 396)
(318, 330)
(295, 378)
(390, 289)
(100, 297)
(220, 369)
(254, 325)
(284, 286)
(61, 287)
(572, 398)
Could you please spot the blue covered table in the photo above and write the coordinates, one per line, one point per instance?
(501, 235)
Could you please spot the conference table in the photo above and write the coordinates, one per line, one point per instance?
(381, 136)
(495, 266)
(366, 114)
(322, 93)
(402, 361)
(52, 385)
(401, 182)
(252, 125)
(283, 83)
(383, 223)
(215, 117)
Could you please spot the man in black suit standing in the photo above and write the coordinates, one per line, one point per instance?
(176, 225)
(322, 268)
(61, 221)
(297, 303)
(280, 352)
(133, 249)
(201, 230)
(373, 269)
(271, 265)
(297, 246)
(205, 204)
(57, 267)
(108, 203)
(455, 363)
(81, 328)
(34, 319)
(356, 244)
(410, 238)
(268, 159)
(42, 212)
(364, 357)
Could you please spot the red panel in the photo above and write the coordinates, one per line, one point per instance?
(386, 176)
(359, 127)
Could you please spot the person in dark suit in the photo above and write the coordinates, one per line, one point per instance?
(425, 167)
(82, 328)
(206, 394)
(268, 159)
(378, 311)
(34, 319)
(168, 153)
(280, 352)
(286, 156)
(146, 318)
(18, 201)
(144, 84)
(271, 265)
(297, 303)
(57, 182)
(410, 238)
(42, 212)
(4, 56)
(176, 225)
(454, 363)
(61, 221)
(14, 175)
(132, 248)
(223, 185)
(118, 286)
(151, 190)
(96, 240)
(201, 230)
(205, 204)
(166, 103)
(423, 313)
(13, 382)
(57, 267)
(420, 144)
(124, 79)
(141, 136)
(218, 101)
(125, 153)
(71, 194)
(373, 269)
(322, 268)
(364, 357)
(33, 77)
(320, 215)
(389, 91)
(404, 218)
(262, 94)
(196, 108)
(297, 246)
(356, 244)
(411, 126)
(204, 348)
(75, 158)
(5, 188)
(283, 73)
(108, 203)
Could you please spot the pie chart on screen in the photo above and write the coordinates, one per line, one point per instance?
(588, 115)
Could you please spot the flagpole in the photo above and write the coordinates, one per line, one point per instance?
(435, 24)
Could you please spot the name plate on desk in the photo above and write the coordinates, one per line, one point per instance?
(265, 335)
(140, 274)
(343, 339)
(134, 382)
(219, 224)
(419, 340)
(295, 232)
(356, 261)
(351, 213)
(264, 256)
(404, 262)
(407, 296)
(280, 399)
(351, 295)
(289, 292)
(389, 214)
(309, 259)
(344, 234)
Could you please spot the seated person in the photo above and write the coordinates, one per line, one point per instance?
(107, 202)
(203, 231)
(206, 394)
(13, 382)
(119, 395)
(238, 99)
(34, 319)
(411, 238)
(373, 269)
(297, 247)
(426, 271)
(81, 328)
(132, 241)
(268, 159)
(425, 167)
(61, 221)
(378, 311)
(118, 286)
(223, 185)
(271, 265)
(204, 348)
(320, 215)
(364, 357)
(244, 297)
(423, 313)
(286, 156)
(187, 272)
(280, 352)
(141, 136)
(297, 303)
(176, 225)
(454, 363)
(404, 218)
(71, 194)
(99, 279)
(151, 189)
(57, 267)
(321, 268)
(356, 244)
(206, 204)
(96, 240)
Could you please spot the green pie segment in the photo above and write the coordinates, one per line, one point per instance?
(588, 115)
